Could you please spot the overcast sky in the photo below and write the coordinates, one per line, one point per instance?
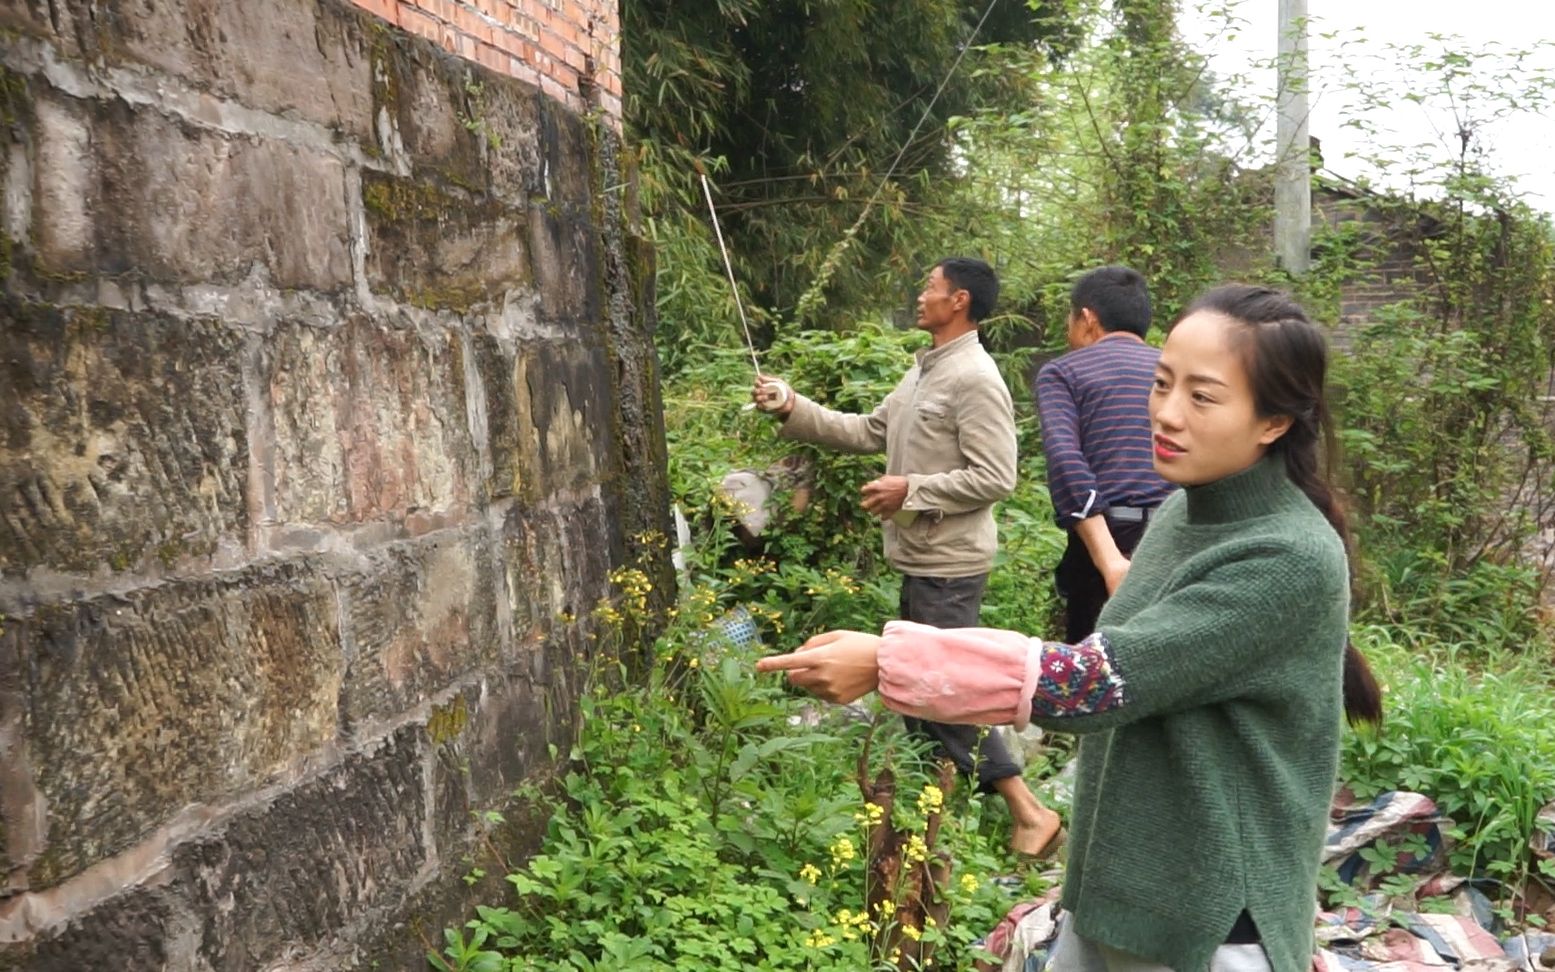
(1522, 144)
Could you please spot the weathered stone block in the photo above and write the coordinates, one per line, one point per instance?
(516, 157)
(538, 593)
(322, 858)
(428, 111)
(140, 929)
(334, 855)
(550, 417)
(138, 705)
(569, 160)
(16, 181)
(303, 58)
(124, 189)
(478, 131)
(564, 252)
(641, 502)
(489, 741)
(122, 438)
(439, 249)
(369, 423)
(63, 191)
(640, 498)
(30, 18)
(420, 615)
(558, 561)
(601, 546)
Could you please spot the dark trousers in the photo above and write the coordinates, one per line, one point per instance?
(1081, 585)
(954, 602)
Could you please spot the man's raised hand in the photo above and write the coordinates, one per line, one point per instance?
(772, 395)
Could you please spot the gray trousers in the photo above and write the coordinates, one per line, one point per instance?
(1071, 953)
(954, 602)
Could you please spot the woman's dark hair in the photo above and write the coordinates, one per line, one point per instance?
(1287, 362)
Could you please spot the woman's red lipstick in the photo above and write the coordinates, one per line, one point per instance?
(1167, 449)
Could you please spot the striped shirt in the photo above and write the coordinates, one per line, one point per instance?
(1094, 404)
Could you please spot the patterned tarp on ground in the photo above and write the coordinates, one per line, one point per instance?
(1375, 935)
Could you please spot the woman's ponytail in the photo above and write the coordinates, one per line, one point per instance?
(1362, 694)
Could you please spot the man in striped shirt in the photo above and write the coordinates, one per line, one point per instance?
(1094, 405)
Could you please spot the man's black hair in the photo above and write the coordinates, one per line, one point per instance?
(976, 278)
(1118, 296)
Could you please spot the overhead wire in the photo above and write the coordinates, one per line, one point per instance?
(829, 264)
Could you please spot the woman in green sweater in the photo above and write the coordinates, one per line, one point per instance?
(1209, 698)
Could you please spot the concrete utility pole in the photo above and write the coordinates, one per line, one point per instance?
(1293, 165)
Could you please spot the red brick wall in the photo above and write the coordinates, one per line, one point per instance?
(570, 49)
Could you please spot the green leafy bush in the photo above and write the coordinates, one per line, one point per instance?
(709, 822)
(820, 567)
(1474, 737)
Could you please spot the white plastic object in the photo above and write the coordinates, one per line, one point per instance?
(784, 394)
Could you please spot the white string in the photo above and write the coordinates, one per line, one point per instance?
(729, 269)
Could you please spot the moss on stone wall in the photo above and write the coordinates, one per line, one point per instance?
(15, 100)
(399, 200)
(409, 219)
(448, 721)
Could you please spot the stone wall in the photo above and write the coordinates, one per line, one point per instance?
(327, 399)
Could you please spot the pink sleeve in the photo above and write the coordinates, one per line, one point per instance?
(965, 676)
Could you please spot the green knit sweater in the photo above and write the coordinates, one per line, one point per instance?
(1205, 789)
(1209, 700)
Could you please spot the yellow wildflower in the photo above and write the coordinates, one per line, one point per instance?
(810, 873)
(911, 932)
(969, 883)
(846, 919)
(841, 850)
(931, 800)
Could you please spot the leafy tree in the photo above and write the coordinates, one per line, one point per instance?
(1127, 150)
(1446, 402)
(801, 106)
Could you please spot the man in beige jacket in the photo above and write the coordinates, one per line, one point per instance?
(948, 432)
